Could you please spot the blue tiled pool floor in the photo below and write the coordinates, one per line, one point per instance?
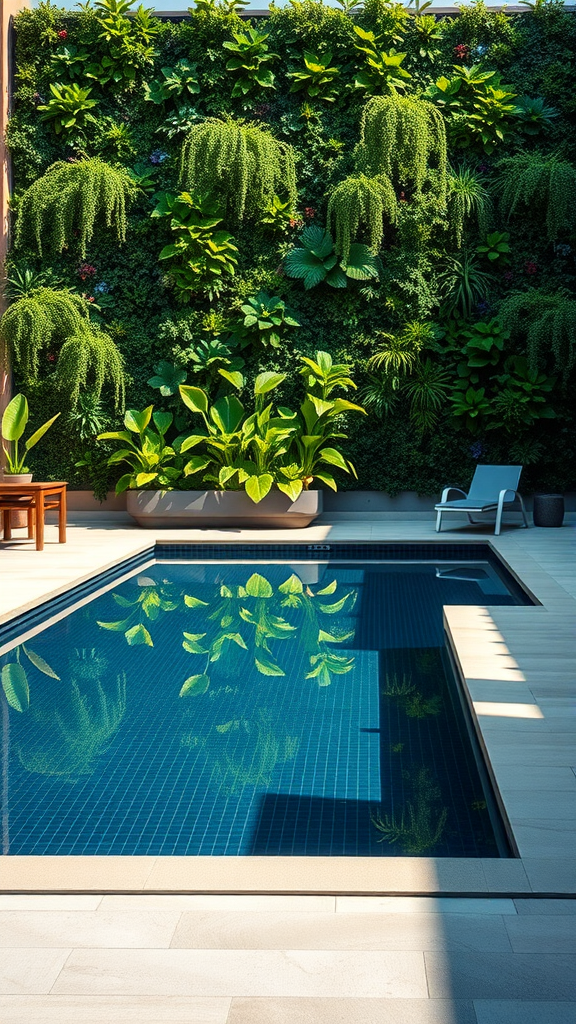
(233, 708)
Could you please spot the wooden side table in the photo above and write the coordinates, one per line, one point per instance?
(36, 498)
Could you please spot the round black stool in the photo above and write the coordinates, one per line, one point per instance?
(548, 509)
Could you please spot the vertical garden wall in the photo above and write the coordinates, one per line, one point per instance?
(218, 193)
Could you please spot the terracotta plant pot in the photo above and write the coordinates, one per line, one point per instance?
(18, 520)
(217, 509)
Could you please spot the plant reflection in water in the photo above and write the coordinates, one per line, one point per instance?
(71, 726)
(421, 823)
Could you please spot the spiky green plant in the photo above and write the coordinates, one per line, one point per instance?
(464, 284)
(544, 323)
(541, 185)
(359, 200)
(244, 164)
(61, 209)
(402, 137)
(468, 199)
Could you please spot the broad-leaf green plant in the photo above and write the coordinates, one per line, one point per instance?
(315, 261)
(319, 80)
(154, 463)
(266, 318)
(382, 71)
(14, 422)
(68, 109)
(249, 60)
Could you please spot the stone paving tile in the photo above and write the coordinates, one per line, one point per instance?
(506, 875)
(46, 901)
(514, 1011)
(545, 906)
(242, 904)
(112, 1010)
(244, 973)
(545, 837)
(133, 928)
(551, 874)
(424, 904)
(342, 931)
(351, 1011)
(30, 970)
(541, 933)
(501, 976)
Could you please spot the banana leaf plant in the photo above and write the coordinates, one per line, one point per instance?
(271, 447)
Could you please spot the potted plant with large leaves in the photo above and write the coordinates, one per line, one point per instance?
(14, 422)
(255, 467)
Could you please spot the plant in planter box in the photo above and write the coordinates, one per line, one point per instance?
(153, 461)
(283, 448)
(14, 423)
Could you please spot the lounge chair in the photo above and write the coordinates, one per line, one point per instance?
(493, 489)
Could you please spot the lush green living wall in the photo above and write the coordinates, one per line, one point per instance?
(459, 323)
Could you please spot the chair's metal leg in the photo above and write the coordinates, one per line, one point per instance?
(499, 515)
(439, 522)
(524, 516)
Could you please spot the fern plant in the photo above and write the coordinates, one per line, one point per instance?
(244, 164)
(58, 322)
(467, 199)
(402, 137)
(544, 185)
(60, 209)
(359, 200)
(544, 323)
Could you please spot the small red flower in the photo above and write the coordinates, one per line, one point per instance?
(63, 34)
(531, 267)
(51, 357)
(295, 222)
(309, 212)
(90, 298)
(462, 51)
(86, 270)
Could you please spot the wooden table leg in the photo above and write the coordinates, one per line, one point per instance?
(30, 522)
(62, 517)
(7, 525)
(40, 521)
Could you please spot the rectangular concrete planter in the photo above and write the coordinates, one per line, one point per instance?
(168, 509)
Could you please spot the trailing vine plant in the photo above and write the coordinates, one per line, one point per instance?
(58, 321)
(359, 200)
(544, 322)
(61, 208)
(244, 164)
(541, 184)
(402, 137)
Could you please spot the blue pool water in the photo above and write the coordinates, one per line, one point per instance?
(286, 707)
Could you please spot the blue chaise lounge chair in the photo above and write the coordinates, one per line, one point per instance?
(493, 489)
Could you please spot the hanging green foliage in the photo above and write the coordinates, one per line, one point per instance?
(359, 200)
(544, 323)
(544, 185)
(244, 164)
(88, 361)
(82, 356)
(43, 319)
(403, 137)
(61, 208)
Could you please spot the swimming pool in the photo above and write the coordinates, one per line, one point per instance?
(254, 700)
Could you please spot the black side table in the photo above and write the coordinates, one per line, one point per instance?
(548, 509)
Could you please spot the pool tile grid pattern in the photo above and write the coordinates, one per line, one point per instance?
(531, 662)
